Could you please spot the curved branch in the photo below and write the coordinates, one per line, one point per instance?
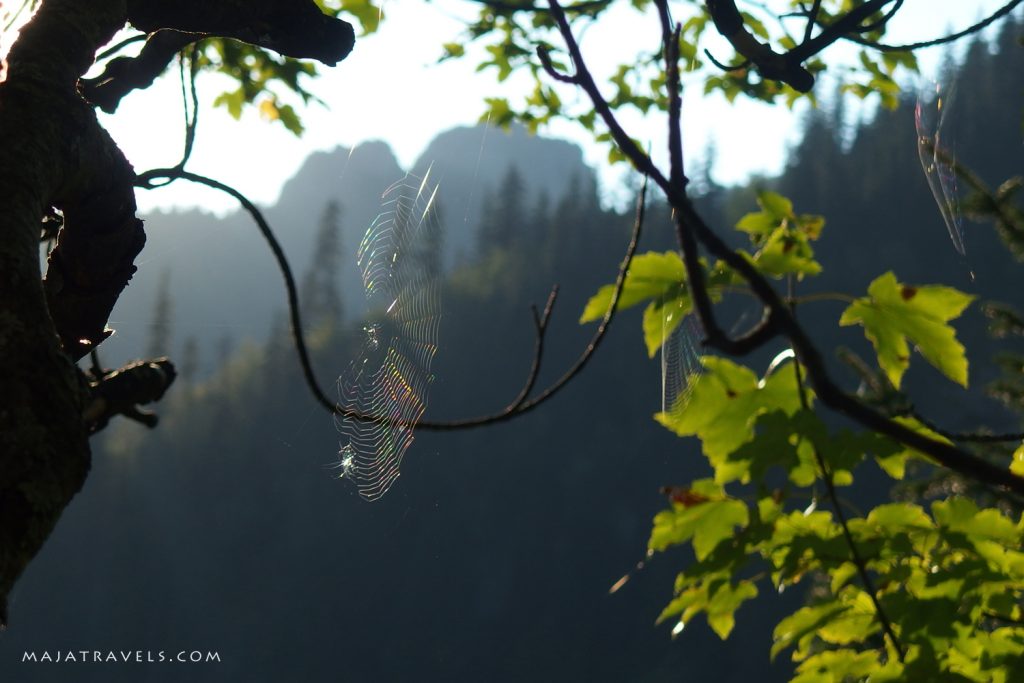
(125, 74)
(145, 181)
(883, 20)
(518, 406)
(944, 40)
(778, 319)
(589, 350)
(723, 66)
(293, 28)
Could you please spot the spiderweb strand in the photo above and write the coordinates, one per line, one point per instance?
(929, 119)
(680, 365)
(390, 377)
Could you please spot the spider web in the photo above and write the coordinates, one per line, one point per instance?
(680, 365)
(930, 118)
(390, 376)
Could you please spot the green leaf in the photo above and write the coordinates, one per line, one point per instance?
(1017, 464)
(893, 313)
(650, 275)
(758, 225)
(856, 624)
(724, 404)
(707, 524)
(777, 442)
(786, 252)
(233, 101)
(775, 205)
(892, 457)
(783, 237)
(962, 515)
(801, 626)
(837, 665)
(841, 576)
(662, 317)
(900, 516)
(723, 605)
(661, 278)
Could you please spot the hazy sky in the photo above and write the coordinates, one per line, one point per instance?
(391, 88)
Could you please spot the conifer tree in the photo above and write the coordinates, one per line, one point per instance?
(163, 311)
(189, 368)
(504, 212)
(320, 295)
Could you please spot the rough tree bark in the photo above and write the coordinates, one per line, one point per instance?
(54, 153)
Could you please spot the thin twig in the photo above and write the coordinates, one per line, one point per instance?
(812, 19)
(830, 488)
(595, 341)
(722, 65)
(1003, 618)
(670, 50)
(944, 40)
(189, 95)
(883, 20)
(966, 437)
(540, 323)
(585, 80)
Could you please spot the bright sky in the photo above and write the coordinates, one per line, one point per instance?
(392, 88)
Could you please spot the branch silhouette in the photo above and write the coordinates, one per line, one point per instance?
(778, 319)
(944, 40)
(519, 405)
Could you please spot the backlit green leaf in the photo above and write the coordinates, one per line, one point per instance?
(802, 625)
(837, 665)
(723, 605)
(726, 401)
(1017, 464)
(706, 524)
(650, 275)
(894, 313)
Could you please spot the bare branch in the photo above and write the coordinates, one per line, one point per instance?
(121, 392)
(583, 78)
(125, 74)
(944, 40)
(540, 323)
(787, 67)
(602, 328)
(578, 7)
(518, 406)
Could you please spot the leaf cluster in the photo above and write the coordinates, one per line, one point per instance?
(903, 591)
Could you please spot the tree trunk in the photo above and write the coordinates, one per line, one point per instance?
(52, 151)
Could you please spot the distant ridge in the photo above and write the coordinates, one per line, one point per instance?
(224, 284)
